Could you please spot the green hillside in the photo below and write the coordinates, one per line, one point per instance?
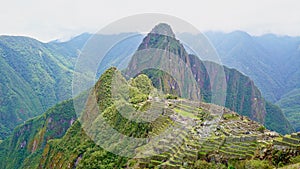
(232, 140)
(34, 77)
(150, 119)
(271, 61)
(25, 145)
(290, 104)
(242, 95)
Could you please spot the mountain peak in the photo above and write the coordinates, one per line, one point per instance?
(162, 37)
(163, 29)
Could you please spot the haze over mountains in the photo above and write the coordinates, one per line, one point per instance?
(55, 139)
(270, 60)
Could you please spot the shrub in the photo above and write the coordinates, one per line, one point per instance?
(171, 96)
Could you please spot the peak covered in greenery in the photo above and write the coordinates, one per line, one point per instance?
(150, 105)
(242, 95)
(191, 134)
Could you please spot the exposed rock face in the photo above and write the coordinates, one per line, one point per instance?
(162, 51)
(206, 131)
(163, 29)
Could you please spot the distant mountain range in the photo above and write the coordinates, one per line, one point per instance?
(57, 139)
(271, 61)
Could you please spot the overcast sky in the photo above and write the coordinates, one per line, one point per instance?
(47, 20)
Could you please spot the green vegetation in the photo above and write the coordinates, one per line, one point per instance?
(251, 164)
(56, 139)
(261, 129)
(290, 104)
(202, 164)
(142, 83)
(162, 81)
(34, 77)
(62, 146)
(185, 113)
(76, 149)
(275, 120)
(242, 96)
(271, 61)
(26, 144)
(171, 96)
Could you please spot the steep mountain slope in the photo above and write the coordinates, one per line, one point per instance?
(242, 95)
(115, 57)
(232, 138)
(240, 51)
(271, 61)
(45, 75)
(72, 47)
(290, 104)
(16, 98)
(34, 77)
(25, 145)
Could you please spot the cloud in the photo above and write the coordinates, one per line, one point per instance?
(48, 20)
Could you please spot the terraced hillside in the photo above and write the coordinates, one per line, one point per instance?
(291, 141)
(241, 94)
(210, 135)
(185, 134)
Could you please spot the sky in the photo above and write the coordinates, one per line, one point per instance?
(48, 20)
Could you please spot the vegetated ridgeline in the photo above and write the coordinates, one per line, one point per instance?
(242, 96)
(202, 135)
(34, 77)
(202, 132)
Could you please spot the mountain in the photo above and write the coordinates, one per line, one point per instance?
(232, 140)
(241, 93)
(50, 82)
(192, 133)
(26, 144)
(271, 61)
(130, 42)
(240, 51)
(290, 104)
(34, 77)
(71, 47)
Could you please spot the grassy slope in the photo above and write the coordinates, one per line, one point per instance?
(290, 104)
(29, 139)
(34, 77)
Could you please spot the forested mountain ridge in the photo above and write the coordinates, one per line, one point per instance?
(272, 61)
(37, 75)
(242, 95)
(34, 77)
(56, 140)
(25, 145)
